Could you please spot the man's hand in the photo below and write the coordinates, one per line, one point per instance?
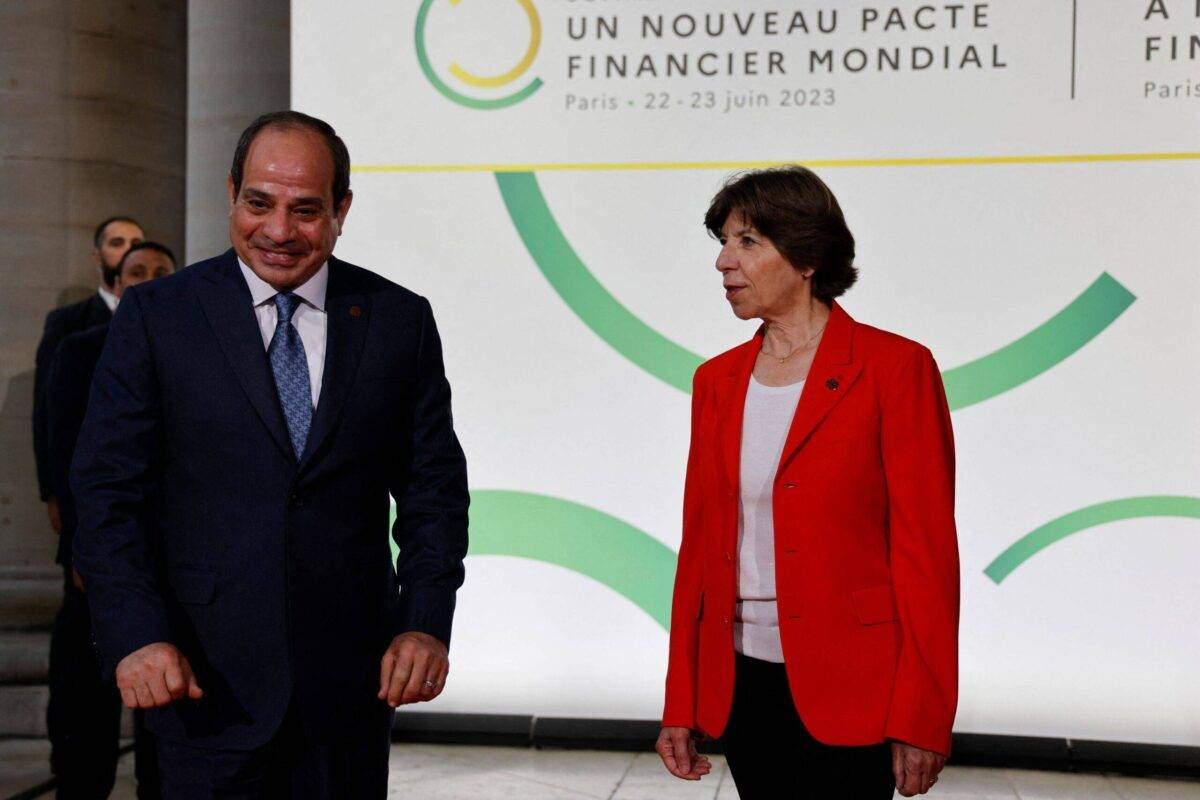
(156, 675)
(413, 669)
(55, 518)
(76, 579)
(677, 749)
(916, 770)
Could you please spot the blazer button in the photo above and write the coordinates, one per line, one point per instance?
(727, 622)
(295, 500)
(789, 486)
(729, 556)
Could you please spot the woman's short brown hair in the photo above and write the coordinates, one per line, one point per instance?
(793, 208)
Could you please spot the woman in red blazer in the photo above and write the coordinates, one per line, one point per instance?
(815, 617)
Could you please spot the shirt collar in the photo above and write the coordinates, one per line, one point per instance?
(312, 291)
(108, 297)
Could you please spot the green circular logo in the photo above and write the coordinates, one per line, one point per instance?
(468, 81)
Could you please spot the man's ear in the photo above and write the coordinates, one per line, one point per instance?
(229, 190)
(342, 210)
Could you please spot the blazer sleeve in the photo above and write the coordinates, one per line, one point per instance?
(52, 334)
(430, 489)
(683, 656)
(918, 458)
(114, 474)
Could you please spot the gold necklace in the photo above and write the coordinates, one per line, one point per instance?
(800, 347)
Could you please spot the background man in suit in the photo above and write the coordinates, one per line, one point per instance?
(112, 238)
(84, 714)
(248, 420)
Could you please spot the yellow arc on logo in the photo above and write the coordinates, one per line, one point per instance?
(535, 41)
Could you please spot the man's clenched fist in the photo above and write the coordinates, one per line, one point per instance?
(156, 675)
(413, 669)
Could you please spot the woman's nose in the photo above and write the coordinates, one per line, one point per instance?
(725, 260)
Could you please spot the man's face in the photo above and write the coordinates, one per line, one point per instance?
(283, 223)
(144, 265)
(116, 238)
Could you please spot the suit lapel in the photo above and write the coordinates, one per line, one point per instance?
(98, 312)
(832, 374)
(346, 311)
(733, 407)
(229, 308)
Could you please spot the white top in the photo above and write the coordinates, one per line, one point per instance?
(108, 297)
(765, 426)
(309, 318)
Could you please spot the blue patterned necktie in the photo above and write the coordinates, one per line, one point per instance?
(290, 366)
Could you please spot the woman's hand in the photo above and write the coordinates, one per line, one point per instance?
(916, 770)
(677, 748)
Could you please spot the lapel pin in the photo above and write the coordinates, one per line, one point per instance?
(832, 384)
(355, 311)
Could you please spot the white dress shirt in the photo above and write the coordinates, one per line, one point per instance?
(109, 298)
(765, 425)
(309, 318)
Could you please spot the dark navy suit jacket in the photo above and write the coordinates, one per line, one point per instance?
(67, 388)
(60, 323)
(198, 525)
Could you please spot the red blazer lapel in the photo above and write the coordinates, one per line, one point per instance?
(732, 408)
(832, 374)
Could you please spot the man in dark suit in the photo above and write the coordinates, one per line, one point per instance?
(248, 420)
(84, 714)
(113, 237)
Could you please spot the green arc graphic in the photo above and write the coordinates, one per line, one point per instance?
(1042, 348)
(1128, 508)
(445, 90)
(614, 553)
(641, 569)
(1010, 366)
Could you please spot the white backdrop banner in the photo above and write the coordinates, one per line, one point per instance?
(1023, 180)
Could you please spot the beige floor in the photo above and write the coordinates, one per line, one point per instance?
(446, 772)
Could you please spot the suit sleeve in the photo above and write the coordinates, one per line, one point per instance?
(66, 400)
(58, 449)
(918, 457)
(430, 489)
(683, 656)
(52, 335)
(113, 476)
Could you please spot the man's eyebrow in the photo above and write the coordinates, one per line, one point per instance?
(259, 194)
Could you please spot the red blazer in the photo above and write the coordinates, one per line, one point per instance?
(866, 551)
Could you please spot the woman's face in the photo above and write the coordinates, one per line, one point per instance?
(759, 282)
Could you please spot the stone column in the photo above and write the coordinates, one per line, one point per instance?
(239, 66)
(94, 95)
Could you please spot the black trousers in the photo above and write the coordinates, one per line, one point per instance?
(83, 717)
(292, 766)
(772, 756)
